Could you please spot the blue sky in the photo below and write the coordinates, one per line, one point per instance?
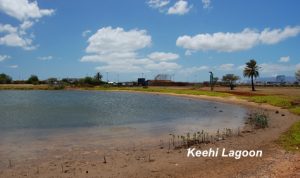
(134, 38)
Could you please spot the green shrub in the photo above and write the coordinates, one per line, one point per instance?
(261, 120)
(291, 139)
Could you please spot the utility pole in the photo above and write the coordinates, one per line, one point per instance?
(107, 77)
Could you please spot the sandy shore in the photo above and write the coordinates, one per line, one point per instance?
(149, 158)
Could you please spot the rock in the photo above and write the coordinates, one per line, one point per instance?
(276, 111)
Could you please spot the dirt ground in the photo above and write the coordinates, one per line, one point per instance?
(151, 159)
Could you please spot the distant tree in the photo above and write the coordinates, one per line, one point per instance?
(33, 79)
(98, 76)
(5, 79)
(230, 79)
(251, 71)
(297, 75)
(87, 81)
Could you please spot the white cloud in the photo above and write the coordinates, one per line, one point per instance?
(206, 4)
(23, 9)
(7, 28)
(16, 40)
(193, 70)
(181, 7)
(86, 32)
(163, 66)
(13, 66)
(4, 57)
(162, 56)
(268, 36)
(26, 25)
(226, 67)
(230, 42)
(298, 66)
(117, 50)
(28, 13)
(127, 68)
(45, 58)
(158, 3)
(188, 53)
(241, 67)
(284, 59)
(108, 40)
(271, 69)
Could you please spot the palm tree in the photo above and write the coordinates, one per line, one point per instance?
(251, 70)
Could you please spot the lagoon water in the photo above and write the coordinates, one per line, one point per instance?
(69, 109)
(34, 122)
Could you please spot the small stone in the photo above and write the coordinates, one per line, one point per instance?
(282, 114)
(276, 111)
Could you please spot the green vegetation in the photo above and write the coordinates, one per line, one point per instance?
(295, 110)
(280, 101)
(259, 120)
(230, 80)
(272, 100)
(5, 79)
(24, 87)
(175, 91)
(33, 79)
(291, 139)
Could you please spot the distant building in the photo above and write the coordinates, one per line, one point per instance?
(142, 82)
(128, 84)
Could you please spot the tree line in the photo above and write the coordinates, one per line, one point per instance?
(33, 79)
(251, 71)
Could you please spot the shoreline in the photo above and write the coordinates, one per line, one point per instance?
(141, 161)
(227, 99)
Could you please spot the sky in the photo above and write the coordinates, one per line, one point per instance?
(128, 39)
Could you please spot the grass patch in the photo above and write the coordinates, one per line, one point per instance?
(291, 139)
(170, 90)
(295, 110)
(24, 87)
(272, 100)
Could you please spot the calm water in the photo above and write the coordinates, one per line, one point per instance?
(69, 109)
(35, 123)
